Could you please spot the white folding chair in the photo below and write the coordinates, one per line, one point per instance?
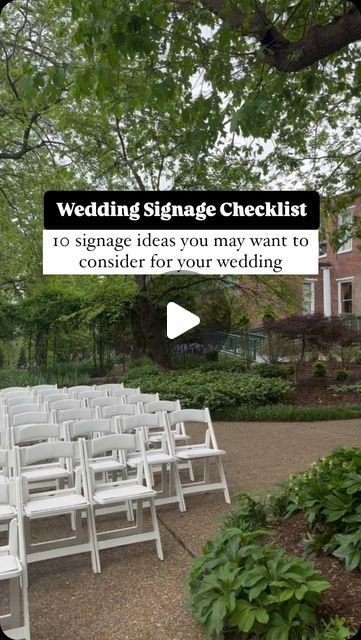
(111, 463)
(74, 391)
(141, 398)
(56, 502)
(115, 410)
(69, 415)
(7, 489)
(206, 450)
(123, 392)
(38, 388)
(178, 432)
(110, 387)
(64, 403)
(7, 390)
(104, 401)
(31, 417)
(160, 460)
(122, 491)
(86, 396)
(14, 401)
(13, 568)
(49, 472)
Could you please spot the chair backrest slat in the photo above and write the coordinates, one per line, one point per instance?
(35, 432)
(47, 451)
(118, 410)
(188, 415)
(31, 417)
(82, 413)
(84, 427)
(111, 442)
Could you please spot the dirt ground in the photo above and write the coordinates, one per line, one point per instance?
(138, 597)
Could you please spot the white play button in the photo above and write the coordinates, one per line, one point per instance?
(179, 320)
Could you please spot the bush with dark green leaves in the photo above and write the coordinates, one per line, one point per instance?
(319, 369)
(269, 370)
(330, 496)
(241, 583)
(341, 374)
(197, 388)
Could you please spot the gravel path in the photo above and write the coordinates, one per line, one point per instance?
(137, 596)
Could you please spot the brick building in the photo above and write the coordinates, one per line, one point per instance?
(337, 288)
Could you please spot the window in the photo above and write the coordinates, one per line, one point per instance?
(322, 249)
(345, 296)
(308, 297)
(345, 221)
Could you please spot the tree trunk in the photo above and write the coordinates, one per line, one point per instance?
(147, 316)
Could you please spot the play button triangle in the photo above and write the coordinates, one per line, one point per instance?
(179, 320)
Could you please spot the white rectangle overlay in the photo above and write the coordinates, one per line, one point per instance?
(211, 252)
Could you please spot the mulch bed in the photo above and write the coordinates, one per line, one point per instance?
(315, 391)
(343, 598)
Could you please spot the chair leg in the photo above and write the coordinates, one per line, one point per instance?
(223, 480)
(93, 539)
(26, 608)
(178, 487)
(15, 601)
(190, 471)
(156, 529)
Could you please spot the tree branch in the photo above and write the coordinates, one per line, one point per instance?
(318, 42)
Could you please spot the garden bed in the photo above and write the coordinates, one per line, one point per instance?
(344, 596)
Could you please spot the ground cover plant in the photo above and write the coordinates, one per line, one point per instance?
(247, 584)
(199, 388)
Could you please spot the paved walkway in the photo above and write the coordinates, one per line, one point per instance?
(137, 596)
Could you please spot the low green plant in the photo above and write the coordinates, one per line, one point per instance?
(62, 374)
(336, 629)
(240, 583)
(330, 496)
(346, 387)
(197, 388)
(269, 370)
(319, 369)
(341, 374)
(287, 413)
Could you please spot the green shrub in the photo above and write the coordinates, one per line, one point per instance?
(268, 370)
(197, 388)
(62, 374)
(319, 369)
(341, 374)
(330, 496)
(240, 583)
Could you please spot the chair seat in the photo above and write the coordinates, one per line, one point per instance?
(152, 459)
(57, 503)
(197, 452)
(46, 473)
(106, 464)
(9, 567)
(7, 511)
(125, 492)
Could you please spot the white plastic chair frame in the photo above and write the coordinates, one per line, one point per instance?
(161, 460)
(57, 502)
(178, 432)
(13, 568)
(137, 489)
(204, 451)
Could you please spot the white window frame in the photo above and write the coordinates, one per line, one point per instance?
(347, 246)
(339, 282)
(310, 281)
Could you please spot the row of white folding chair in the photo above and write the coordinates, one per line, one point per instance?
(87, 494)
(205, 451)
(13, 561)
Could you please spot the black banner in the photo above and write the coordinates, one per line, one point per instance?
(126, 210)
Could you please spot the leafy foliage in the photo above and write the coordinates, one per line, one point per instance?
(195, 388)
(241, 583)
(330, 496)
